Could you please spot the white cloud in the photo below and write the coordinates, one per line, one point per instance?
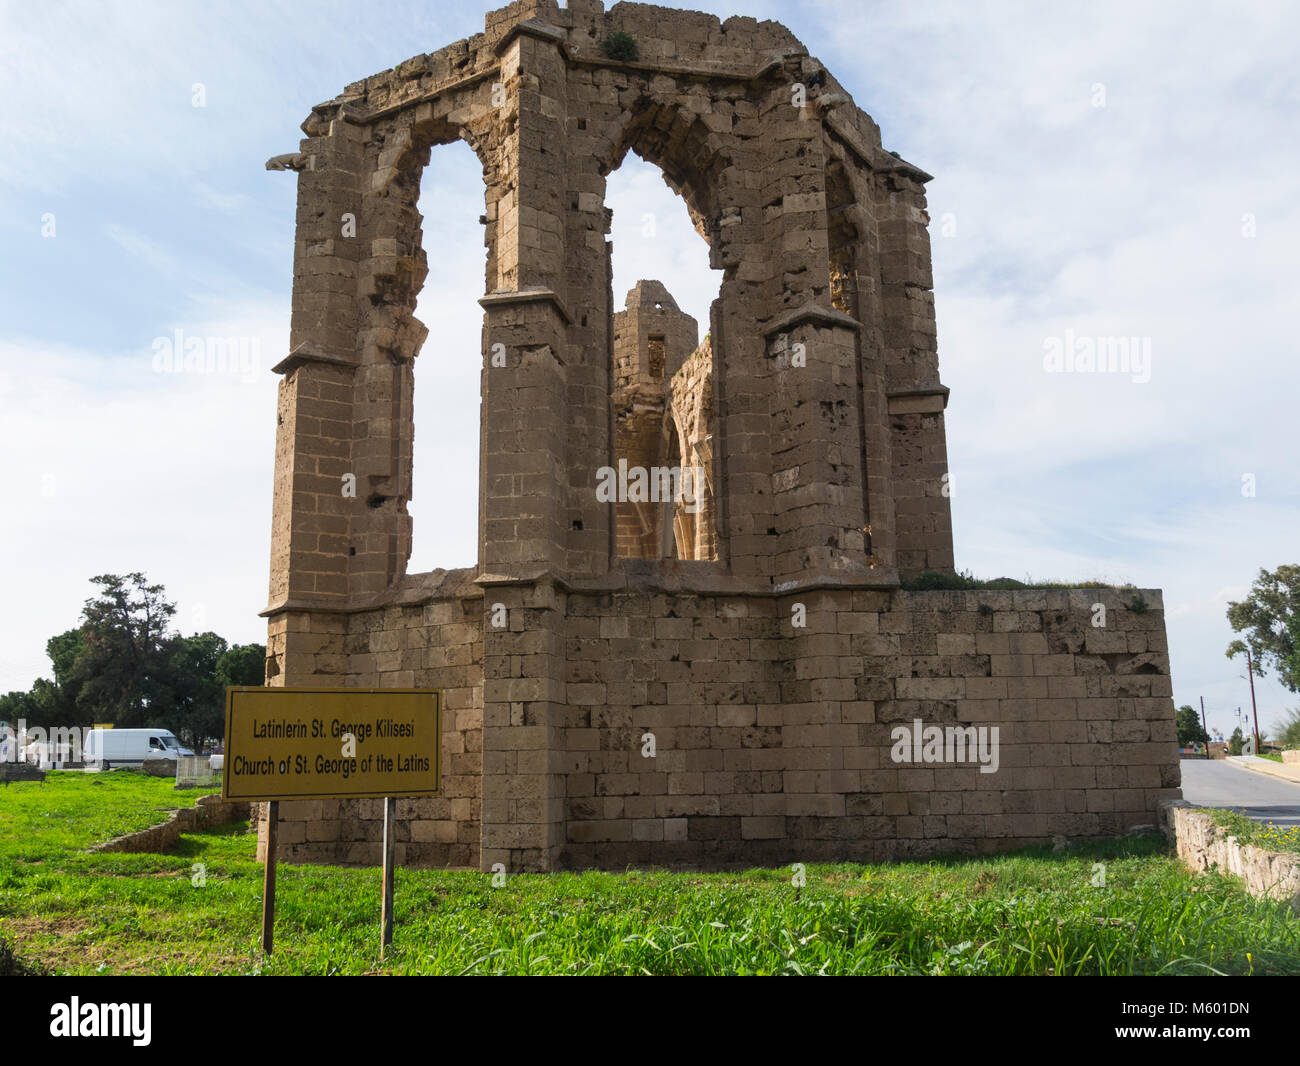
(653, 239)
(1122, 220)
(119, 468)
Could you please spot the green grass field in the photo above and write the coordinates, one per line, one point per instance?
(1032, 912)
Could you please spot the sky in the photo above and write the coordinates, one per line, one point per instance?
(1102, 171)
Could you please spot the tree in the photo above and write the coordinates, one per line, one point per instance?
(200, 669)
(63, 651)
(57, 700)
(1236, 742)
(243, 664)
(45, 705)
(1270, 619)
(1189, 727)
(1293, 631)
(122, 665)
(196, 709)
(122, 669)
(1288, 729)
(16, 707)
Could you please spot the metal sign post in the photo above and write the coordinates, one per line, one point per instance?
(386, 913)
(268, 878)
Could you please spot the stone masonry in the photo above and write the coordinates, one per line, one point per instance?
(652, 340)
(763, 640)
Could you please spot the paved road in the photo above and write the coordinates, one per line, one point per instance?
(1260, 796)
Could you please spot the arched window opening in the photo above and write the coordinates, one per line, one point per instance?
(662, 375)
(445, 451)
(844, 247)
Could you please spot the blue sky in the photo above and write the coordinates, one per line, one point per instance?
(1106, 169)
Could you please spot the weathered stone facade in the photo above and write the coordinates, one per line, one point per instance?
(765, 642)
(652, 340)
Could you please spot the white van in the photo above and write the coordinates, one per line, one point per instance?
(107, 748)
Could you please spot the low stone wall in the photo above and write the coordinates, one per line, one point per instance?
(1203, 845)
(208, 811)
(159, 768)
(1292, 757)
(20, 771)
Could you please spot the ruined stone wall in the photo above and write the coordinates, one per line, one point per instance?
(652, 338)
(773, 744)
(922, 487)
(827, 464)
(433, 641)
(650, 311)
(804, 213)
(694, 415)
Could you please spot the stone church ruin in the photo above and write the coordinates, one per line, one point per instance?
(755, 627)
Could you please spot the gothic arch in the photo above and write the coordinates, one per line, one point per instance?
(789, 184)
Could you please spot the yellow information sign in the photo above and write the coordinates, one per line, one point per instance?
(331, 743)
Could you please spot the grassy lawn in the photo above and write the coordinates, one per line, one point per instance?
(1032, 912)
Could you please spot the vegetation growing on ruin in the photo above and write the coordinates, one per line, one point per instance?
(620, 46)
(932, 580)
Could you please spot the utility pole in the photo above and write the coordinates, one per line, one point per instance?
(1250, 673)
(1205, 732)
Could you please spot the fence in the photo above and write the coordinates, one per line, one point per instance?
(194, 771)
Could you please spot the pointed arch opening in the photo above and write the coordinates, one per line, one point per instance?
(446, 412)
(662, 360)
